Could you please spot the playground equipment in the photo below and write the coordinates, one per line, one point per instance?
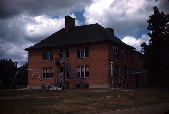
(35, 71)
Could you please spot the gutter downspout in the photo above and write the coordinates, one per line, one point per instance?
(112, 65)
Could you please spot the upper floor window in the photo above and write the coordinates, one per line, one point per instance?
(61, 52)
(82, 51)
(124, 54)
(135, 64)
(83, 71)
(116, 71)
(115, 51)
(47, 55)
(67, 53)
(47, 72)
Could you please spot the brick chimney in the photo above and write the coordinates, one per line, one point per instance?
(69, 23)
(110, 30)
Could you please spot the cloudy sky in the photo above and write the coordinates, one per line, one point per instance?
(24, 23)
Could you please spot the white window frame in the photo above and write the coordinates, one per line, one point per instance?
(47, 55)
(45, 73)
(82, 49)
(60, 52)
(116, 69)
(135, 64)
(116, 51)
(124, 54)
(84, 72)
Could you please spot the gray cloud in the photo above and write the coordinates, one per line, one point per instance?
(41, 7)
(26, 22)
(163, 5)
(126, 17)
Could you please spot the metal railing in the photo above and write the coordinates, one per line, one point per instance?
(71, 71)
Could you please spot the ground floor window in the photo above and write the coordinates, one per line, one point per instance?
(83, 71)
(47, 73)
(63, 72)
(144, 77)
(116, 71)
(125, 72)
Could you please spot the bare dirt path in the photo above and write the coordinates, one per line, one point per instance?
(152, 109)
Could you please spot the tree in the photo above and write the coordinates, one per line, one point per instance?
(22, 77)
(8, 70)
(156, 53)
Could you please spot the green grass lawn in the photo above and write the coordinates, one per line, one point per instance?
(77, 101)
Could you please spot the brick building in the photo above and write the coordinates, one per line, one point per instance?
(84, 56)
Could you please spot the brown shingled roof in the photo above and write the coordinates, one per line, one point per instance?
(79, 35)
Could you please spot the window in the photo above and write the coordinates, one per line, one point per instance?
(124, 54)
(135, 64)
(47, 55)
(61, 52)
(67, 53)
(125, 72)
(82, 51)
(116, 71)
(83, 71)
(47, 73)
(144, 77)
(115, 51)
(64, 72)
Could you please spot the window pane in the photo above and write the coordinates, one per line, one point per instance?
(115, 71)
(44, 54)
(82, 52)
(51, 73)
(115, 51)
(61, 52)
(78, 71)
(78, 52)
(51, 55)
(47, 74)
(87, 71)
(125, 72)
(44, 72)
(82, 71)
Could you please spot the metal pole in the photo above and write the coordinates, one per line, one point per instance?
(13, 79)
(112, 73)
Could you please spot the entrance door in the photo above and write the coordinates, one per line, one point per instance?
(65, 74)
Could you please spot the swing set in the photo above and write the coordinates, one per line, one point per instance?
(35, 71)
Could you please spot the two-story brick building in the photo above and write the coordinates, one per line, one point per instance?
(82, 56)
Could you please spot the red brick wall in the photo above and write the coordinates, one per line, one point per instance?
(35, 62)
(137, 79)
(100, 56)
(97, 62)
(121, 63)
